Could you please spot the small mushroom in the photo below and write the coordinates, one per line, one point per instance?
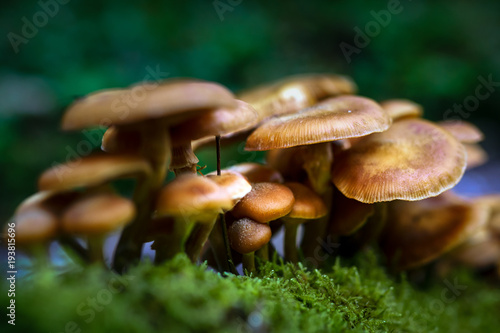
(307, 206)
(247, 236)
(257, 173)
(94, 216)
(190, 199)
(463, 131)
(399, 109)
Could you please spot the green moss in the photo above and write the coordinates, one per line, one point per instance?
(180, 297)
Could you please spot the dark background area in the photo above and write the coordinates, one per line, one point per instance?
(432, 52)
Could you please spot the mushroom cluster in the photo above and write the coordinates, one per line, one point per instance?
(339, 167)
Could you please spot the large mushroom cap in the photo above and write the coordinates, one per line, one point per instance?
(413, 160)
(257, 173)
(192, 196)
(146, 101)
(248, 236)
(91, 171)
(402, 108)
(333, 119)
(308, 205)
(97, 214)
(265, 202)
(222, 121)
(463, 131)
(296, 92)
(418, 232)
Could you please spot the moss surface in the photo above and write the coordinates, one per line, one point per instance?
(179, 297)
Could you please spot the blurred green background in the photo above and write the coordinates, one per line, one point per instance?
(430, 51)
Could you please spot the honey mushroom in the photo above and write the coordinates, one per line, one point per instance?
(308, 206)
(413, 160)
(247, 236)
(399, 109)
(266, 202)
(420, 231)
(295, 93)
(95, 215)
(148, 109)
(189, 199)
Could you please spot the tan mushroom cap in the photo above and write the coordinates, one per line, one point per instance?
(222, 121)
(308, 205)
(482, 249)
(348, 215)
(247, 236)
(413, 160)
(402, 108)
(98, 214)
(296, 92)
(257, 173)
(418, 232)
(191, 196)
(476, 155)
(36, 224)
(233, 183)
(91, 171)
(463, 131)
(333, 119)
(265, 202)
(118, 140)
(146, 101)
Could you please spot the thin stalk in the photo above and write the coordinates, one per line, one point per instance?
(291, 253)
(95, 243)
(170, 245)
(249, 263)
(198, 238)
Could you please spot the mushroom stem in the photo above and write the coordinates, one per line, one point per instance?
(156, 147)
(217, 145)
(248, 263)
(315, 232)
(263, 253)
(198, 238)
(95, 245)
(168, 246)
(221, 249)
(291, 253)
(183, 159)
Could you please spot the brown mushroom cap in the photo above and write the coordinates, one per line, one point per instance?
(492, 201)
(91, 171)
(463, 131)
(233, 183)
(418, 232)
(247, 236)
(118, 140)
(333, 119)
(35, 224)
(265, 202)
(146, 101)
(413, 160)
(257, 173)
(222, 121)
(476, 155)
(308, 205)
(296, 92)
(97, 214)
(482, 249)
(192, 196)
(402, 108)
